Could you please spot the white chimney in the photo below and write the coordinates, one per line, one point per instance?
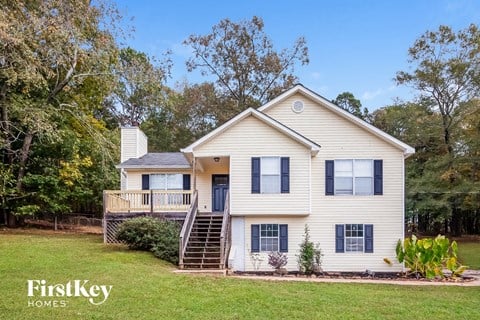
(134, 143)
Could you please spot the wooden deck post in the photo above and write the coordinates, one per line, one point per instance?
(151, 201)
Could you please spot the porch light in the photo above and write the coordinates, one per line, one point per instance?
(216, 159)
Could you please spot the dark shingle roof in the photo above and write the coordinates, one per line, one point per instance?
(163, 160)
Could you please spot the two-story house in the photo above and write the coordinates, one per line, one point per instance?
(297, 160)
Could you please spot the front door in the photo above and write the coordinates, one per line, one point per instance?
(219, 191)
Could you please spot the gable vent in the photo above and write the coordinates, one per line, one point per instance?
(297, 106)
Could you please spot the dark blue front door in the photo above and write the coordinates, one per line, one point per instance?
(219, 191)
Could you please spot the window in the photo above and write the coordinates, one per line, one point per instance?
(269, 237)
(354, 177)
(270, 174)
(354, 238)
(166, 181)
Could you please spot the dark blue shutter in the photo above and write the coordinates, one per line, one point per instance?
(255, 237)
(285, 174)
(145, 181)
(377, 177)
(339, 238)
(283, 238)
(329, 177)
(145, 186)
(186, 182)
(368, 229)
(255, 175)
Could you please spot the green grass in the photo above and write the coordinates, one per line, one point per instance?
(145, 288)
(469, 254)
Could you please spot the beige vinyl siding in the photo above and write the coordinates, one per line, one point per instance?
(133, 143)
(253, 138)
(134, 177)
(341, 139)
(296, 227)
(204, 186)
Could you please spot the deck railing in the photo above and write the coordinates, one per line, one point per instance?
(187, 228)
(129, 201)
(225, 234)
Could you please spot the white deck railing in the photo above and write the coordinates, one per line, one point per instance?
(130, 201)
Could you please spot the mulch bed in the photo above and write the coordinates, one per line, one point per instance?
(355, 275)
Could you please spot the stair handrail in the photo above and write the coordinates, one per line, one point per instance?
(225, 233)
(187, 228)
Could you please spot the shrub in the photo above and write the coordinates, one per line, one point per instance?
(428, 257)
(277, 260)
(139, 233)
(150, 234)
(306, 257)
(166, 245)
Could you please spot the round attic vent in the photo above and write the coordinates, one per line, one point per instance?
(297, 106)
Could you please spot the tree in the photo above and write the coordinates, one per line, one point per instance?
(49, 50)
(140, 86)
(446, 69)
(347, 101)
(190, 112)
(242, 59)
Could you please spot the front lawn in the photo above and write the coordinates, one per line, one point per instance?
(145, 288)
(469, 254)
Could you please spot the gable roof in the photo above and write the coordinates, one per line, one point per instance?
(299, 88)
(314, 147)
(163, 160)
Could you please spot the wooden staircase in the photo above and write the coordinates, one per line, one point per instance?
(203, 250)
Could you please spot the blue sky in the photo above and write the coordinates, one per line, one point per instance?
(355, 46)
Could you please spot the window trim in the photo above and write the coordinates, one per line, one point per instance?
(277, 238)
(357, 238)
(341, 236)
(278, 175)
(353, 178)
(165, 188)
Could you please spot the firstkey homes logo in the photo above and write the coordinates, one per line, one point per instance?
(42, 294)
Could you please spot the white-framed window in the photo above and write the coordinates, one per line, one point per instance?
(354, 177)
(270, 175)
(269, 237)
(354, 238)
(166, 181)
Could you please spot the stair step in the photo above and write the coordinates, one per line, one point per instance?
(194, 254)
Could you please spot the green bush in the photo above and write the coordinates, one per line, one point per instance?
(139, 233)
(428, 257)
(150, 234)
(307, 255)
(166, 246)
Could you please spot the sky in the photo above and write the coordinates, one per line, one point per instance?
(354, 45)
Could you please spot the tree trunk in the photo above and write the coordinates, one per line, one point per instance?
(456, 223)
(24, 154)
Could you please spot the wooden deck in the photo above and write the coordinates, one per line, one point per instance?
(146, 201)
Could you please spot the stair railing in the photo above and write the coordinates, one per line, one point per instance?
(187, 228)
(225, 234)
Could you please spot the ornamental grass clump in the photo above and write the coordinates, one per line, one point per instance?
(428, 257)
